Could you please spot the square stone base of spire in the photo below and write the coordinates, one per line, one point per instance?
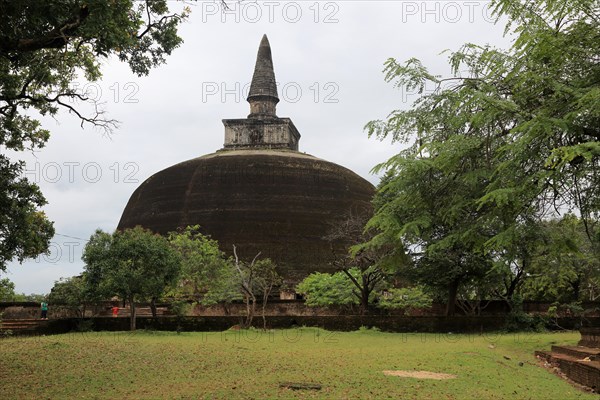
(271, 133)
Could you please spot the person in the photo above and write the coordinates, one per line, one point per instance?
(44, 310)
(115, 311)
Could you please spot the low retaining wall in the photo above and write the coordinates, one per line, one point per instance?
(277, 307)
(338, 323)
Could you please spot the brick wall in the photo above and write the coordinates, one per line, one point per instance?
(443, 325)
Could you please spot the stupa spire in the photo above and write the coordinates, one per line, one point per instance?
(263, 89)
(263, 129)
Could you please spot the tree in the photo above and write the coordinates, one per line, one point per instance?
(7, 290)
(32, 297)
(366, 267)
(506, 141)
(70, 293)
(203, 265)
(24, 230)
(266, 279)
(207, 275)
(134, 264)
(44, 47)
(429, 200)
(322, 289)
(255, 278)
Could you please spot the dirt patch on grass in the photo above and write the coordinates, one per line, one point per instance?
(420, 375)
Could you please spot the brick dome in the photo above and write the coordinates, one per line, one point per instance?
(280, 203)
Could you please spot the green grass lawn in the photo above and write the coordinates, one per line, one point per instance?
(251, 365)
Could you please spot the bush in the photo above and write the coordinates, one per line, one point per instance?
(84, 325)
(322, 290)
(181, 308)
(408, 298)
(519, 320)
(366, 329)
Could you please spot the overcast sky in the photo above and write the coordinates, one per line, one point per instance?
(328, 57)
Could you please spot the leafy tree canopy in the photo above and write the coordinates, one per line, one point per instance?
(207, 274)
(322, 289)
(405, 298)
(509, 139)
(134, 264)
(44, 47)
(7, 290)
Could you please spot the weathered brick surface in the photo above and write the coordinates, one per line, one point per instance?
(590, 337)
(577, 352)
(585, 373)
(278, 203)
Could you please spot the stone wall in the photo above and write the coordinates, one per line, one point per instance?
(442, 325)
(20, 310)
(276, 307)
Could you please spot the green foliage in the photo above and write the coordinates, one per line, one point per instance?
(366, 329)
(181, 308)
(566, 267)
(26, 232)
(266, 278)
(32, 297)
(207, 275)
(321, 289)
(44, 47)
(368, 261)
(508, 137)
(134, 264)
(48, 45)
(407, 298)
(519, 321)
(71, 293)
(7, 290)
(256, 280)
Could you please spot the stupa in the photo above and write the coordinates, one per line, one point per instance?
(258, 192)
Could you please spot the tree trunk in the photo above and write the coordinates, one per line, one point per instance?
(364, 300)
(452, 294)
(153, 307)
(576, 289)
(247, 298)
(225, 309)
(132, 318)
(250, 310)
(264, 306)
(513, 285)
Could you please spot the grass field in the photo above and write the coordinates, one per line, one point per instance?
(252, 364)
